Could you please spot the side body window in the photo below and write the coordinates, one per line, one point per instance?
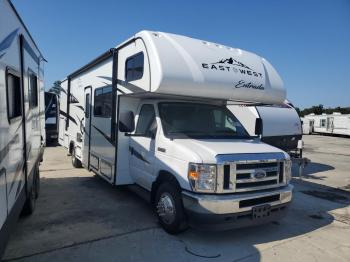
(33, 89)
(103, 102)
(134, 67)
(14, 99)
(87, 106)
(146, 124)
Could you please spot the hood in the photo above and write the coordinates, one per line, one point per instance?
(208, 149)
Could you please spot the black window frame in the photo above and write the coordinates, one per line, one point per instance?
(147, 133)
(132, 58)
(31, 74)
(13, 72)
(111, 92)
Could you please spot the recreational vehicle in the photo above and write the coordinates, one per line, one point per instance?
(22, 136)
(151, 113)
(307, 125)
(51, 117)
(281, 124)
(335, 123)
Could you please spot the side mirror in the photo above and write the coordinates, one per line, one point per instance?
(258, 126)
(126, 122)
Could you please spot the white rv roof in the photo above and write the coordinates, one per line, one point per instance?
(185, 66)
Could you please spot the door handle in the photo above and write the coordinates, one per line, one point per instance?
(161, 149)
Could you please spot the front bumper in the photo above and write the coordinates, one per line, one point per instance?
(234, 210)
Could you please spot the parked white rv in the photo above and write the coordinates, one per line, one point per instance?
(281, 124)
(335, 123)
(188, 153)
(51, 117)
(22, 135)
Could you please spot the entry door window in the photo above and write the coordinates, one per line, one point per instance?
(87, 106)
(146, 124)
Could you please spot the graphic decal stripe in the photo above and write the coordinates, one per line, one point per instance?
(130, 87)
(80, 107)
(104, 135)
(69, 117)
(138, 155)
(7, 42)
(18, 188)
(19, 168)
(5, 150)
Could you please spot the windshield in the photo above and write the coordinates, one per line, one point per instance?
(50, 105)
(181, 120)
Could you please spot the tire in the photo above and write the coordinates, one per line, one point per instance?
(37, 183)
(29, 205)
(75, 161)
(169, 208)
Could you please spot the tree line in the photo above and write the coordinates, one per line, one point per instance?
(320, 109)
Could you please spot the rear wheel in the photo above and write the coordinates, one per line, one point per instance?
(75, 161)
(29, 205)
(169, 208)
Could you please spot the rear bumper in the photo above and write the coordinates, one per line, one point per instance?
(229, 211)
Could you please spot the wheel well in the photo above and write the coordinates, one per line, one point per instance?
(163, 176)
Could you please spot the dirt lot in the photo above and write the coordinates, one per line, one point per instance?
(79, 217)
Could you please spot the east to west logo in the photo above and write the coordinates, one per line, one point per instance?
(232, 65)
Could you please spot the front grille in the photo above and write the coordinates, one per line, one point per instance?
(244, 176)
(257, 165)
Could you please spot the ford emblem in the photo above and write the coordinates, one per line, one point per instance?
(259, 174)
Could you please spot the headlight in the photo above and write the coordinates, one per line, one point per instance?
(288, 170)
(202, 177)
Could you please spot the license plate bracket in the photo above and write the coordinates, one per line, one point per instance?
(261, 211)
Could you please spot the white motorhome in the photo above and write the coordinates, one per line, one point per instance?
(22, 121)
(281, 124)
(151, 113)
(51, 117)
(335, 123)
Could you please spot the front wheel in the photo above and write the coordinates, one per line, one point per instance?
(169, 208)
(75, 161)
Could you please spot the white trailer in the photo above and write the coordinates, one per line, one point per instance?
(188, 154)
(335, 123)
(307, 125)
(22, 121)
(281, 124)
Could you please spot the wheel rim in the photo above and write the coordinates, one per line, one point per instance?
(166, 208)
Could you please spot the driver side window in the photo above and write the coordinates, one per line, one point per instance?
(224, 121)
(146, 124)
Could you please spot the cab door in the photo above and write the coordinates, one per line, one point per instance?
(87, 127)
(142, 147)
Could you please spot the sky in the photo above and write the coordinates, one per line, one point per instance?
(308, 42)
